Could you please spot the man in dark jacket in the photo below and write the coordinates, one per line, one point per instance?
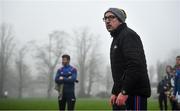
(128, 64)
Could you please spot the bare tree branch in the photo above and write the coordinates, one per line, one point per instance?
(6, 49)
(46, 64)
(85, 44)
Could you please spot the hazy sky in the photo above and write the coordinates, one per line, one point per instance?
(156, 21)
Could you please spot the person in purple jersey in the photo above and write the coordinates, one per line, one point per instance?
(177, 83)
(65, 80)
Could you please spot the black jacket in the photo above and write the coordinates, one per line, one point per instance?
(162, 87)
(128, 63)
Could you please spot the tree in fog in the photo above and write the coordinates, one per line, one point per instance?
(109, 80)
(93, 69)
(48, 57)
(86, 48)
(160, 70)
(6, 49)
(170, 60)
(22, 69)
(105, 81)
(151, 72)
(92, 72)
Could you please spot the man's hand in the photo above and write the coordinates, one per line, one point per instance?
(112, 99)
(167, 93)
(121, 99)
(61, 78)
(69, 77)
(173, 98)
(165, 87)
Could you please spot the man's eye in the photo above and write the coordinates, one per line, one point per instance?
(111, 17)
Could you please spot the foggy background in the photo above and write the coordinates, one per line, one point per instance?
(35, 33)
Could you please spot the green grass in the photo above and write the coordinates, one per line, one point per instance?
(51, 104)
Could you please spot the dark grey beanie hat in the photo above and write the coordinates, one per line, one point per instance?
(120, 13)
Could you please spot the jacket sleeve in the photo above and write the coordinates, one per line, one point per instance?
(133, 53)
(175, 86)
(158, 88)
(73, 78)
(57, 80)
(113, 89)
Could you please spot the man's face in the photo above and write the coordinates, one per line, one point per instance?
(111, 21)
(177, 61)
(65, 61)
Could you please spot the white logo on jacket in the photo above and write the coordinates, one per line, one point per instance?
(115, 47)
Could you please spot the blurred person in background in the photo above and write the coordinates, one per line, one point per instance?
(161, 90)
(177, 83)
(170, 78)
(65, 84)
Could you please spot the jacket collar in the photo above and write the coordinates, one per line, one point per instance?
(116, 32)
(66, 66)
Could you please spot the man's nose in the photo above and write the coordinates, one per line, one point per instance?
(107, 23)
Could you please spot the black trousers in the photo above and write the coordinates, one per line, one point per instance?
(133, 103)
(173, 104)
(67, 99)
(163, 99)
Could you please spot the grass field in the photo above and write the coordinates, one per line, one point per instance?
(51, 104)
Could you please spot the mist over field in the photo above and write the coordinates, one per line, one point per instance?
(35, 33)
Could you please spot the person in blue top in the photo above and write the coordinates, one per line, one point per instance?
(65, 84)
(177, 82)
